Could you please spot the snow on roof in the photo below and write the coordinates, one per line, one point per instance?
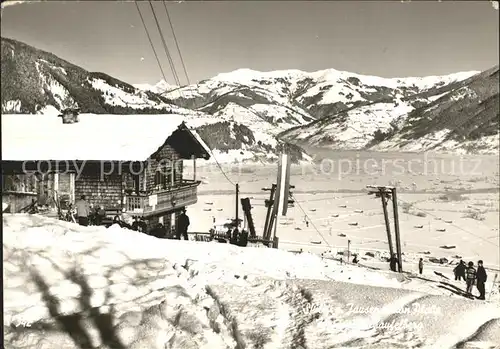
(200, 140)
(94, 137)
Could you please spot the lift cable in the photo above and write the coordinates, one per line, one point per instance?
(150, 40)
(176, 42)
(165, 47)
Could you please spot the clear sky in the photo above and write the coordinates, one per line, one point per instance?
(384, 38)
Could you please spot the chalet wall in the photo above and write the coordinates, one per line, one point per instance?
(106, 192)
(166, 152)
(17, 201)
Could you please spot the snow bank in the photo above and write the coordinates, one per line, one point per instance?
(67, 286)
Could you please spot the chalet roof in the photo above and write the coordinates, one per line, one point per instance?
(94, 137)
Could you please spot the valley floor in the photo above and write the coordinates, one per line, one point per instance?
(443, 213)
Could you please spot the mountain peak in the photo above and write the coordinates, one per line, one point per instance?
(160, 87)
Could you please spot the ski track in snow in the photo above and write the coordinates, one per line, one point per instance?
(113, 288)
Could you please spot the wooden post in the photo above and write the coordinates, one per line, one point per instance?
(396, 228)
(56, 182)
(41, 187)
(269, 217)
(348, 251)
(194, 168)
(237, 204)
(72, 187)
(247, 210)
(275, 226)
(171, 225)
(173, 170)
(386, 218)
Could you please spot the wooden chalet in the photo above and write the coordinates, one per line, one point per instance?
(128, 163)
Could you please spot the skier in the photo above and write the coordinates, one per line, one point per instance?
(459, 271)
(481, 277)
(355, 259)
(470, 277)
(420, 266)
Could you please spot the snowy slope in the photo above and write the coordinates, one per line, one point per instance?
(464, 120)
(33, 80)
(71, 287)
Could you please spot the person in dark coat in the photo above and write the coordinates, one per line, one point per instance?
(460, 271)
(481, 277)
(470, 277)
(393, 262)
(420, 266)
(183, 224)
(139, 225)
(100, 215)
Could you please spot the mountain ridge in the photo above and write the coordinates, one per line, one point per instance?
(244, 112)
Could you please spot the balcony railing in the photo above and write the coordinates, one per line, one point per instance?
(182, 194)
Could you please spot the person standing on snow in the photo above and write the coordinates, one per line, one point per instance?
(470, 277)
(420, 266)
(481, 277)
(82, 211)
(183, 224)
(459, 271)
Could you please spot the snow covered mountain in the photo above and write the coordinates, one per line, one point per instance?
(246, 112)
(464, 120)
(160, 87)
(457, 113)
(33, 80)
(344, 110)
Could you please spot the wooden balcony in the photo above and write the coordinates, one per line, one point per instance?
(182, 194)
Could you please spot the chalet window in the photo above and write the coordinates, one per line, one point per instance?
(163, 178)
(19, 183)
(179, 169)
(8, 183)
